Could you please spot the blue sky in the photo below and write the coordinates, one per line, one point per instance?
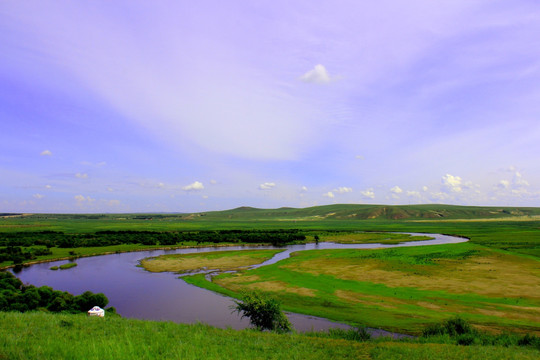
(136, 106)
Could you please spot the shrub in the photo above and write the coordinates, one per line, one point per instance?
(263, 312)
(466, 339)
(530, 340)
(452, 327)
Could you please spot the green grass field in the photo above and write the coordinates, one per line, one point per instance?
(401, 289)
(43, 336)
(492, 281)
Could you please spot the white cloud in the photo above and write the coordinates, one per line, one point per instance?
(342, 190)
(396, 190)
(81, 175)
(110, 189)
(48, 186)
(113, 202)
(425, 188)
(205, 196)
(213, 182)
(81, 199)
(413, 193)
(438, 196)
(368, 193)
(46, 153)
(161, 185)
(359, 157)
(38, 196)
(267, 186)
(453, 183)
(518, 180)
(504, 184)
(304, 189)
(329, 195)
(195, 186)
(317, 75)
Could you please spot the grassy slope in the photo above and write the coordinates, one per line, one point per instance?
(42, 336)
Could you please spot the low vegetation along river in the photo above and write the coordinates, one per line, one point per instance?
(136, 293)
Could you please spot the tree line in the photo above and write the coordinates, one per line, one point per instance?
(12, 245)
(15, 296)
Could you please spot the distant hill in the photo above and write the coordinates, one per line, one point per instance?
(364, 212)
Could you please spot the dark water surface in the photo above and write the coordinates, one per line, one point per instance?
(136, 293)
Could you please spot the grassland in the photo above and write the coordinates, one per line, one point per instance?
(401, 289)
(339, 216)
(370, 238)
(222, 261)
(492, 281)
(44, 336)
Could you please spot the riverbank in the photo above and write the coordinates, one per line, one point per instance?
(79, 252)
(84, 252)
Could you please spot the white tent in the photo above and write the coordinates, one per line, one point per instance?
(96, 311)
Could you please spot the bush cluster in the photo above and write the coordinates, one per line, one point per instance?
(18, 255)
(458, 331)
(15, 296)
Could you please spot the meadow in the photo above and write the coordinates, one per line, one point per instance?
(44, 336)
(491, 281)
(400, 289)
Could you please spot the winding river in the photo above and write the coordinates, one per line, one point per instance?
(136, 293)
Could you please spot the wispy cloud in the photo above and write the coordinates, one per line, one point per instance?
(342, 190)
(267, 186)
(46, 153)
(82, 199)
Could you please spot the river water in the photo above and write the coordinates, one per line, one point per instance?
(136, 293)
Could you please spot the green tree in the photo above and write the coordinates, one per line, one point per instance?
(263, 312)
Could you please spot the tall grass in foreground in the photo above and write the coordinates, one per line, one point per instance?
(46, 336)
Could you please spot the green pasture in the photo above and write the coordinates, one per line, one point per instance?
(401, 289)
(44, 336)
(492, 281)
